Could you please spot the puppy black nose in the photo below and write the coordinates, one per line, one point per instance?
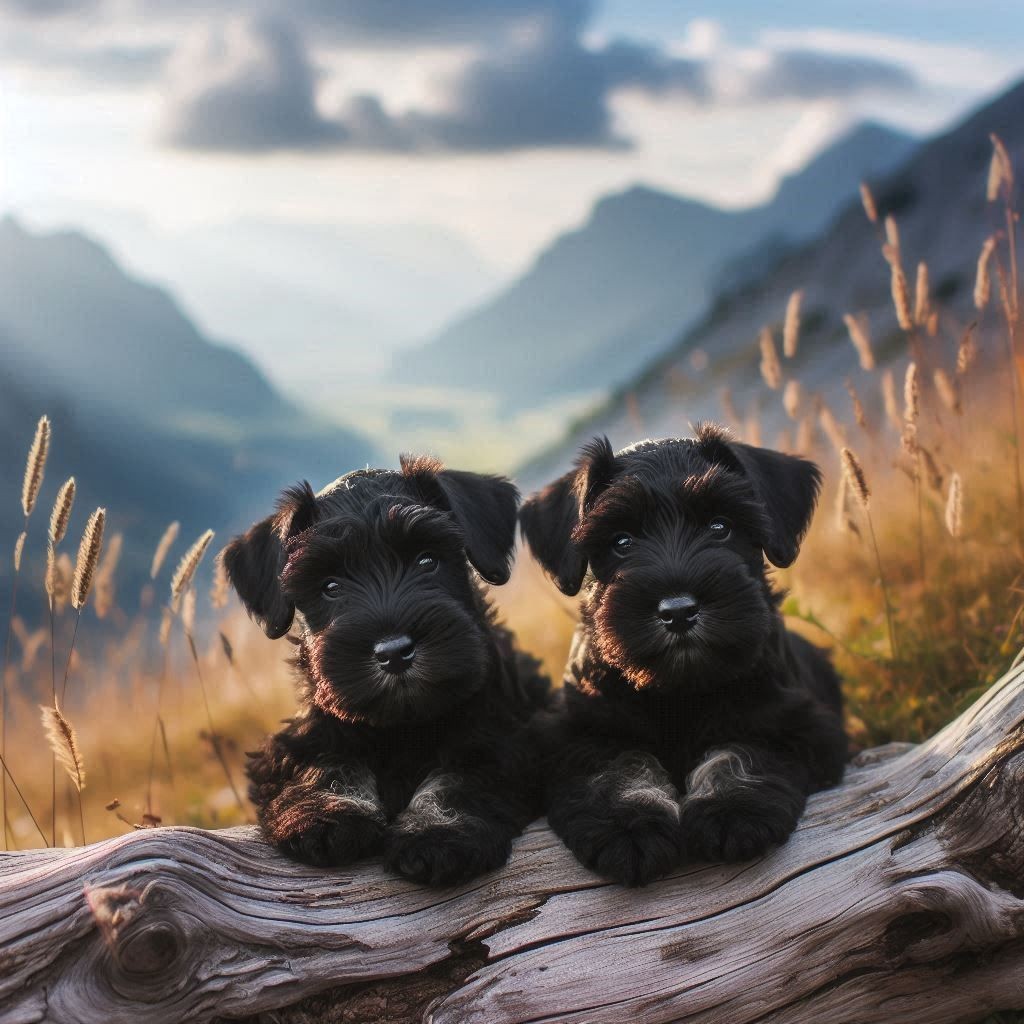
(679, 613)
(395, 654)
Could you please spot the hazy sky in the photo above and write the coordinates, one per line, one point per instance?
(500, 120)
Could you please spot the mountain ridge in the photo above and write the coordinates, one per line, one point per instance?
(628, 272)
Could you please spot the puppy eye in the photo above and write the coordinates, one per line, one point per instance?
(720, 528)
(331, 589)
(426, 562)
(621, 543)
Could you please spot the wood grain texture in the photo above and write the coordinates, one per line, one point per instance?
(900, 898)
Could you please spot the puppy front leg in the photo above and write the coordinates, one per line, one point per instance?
(457, 826)
(620, 816)
(322, 813)
(740, 801)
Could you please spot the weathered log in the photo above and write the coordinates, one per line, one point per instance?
(900, 898)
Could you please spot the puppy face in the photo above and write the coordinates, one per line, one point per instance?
(671, 538)
(380, 567)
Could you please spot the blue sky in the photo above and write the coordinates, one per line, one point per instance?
(498, 121)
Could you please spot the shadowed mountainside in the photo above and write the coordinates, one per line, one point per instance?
(604, 299)
(938, 200)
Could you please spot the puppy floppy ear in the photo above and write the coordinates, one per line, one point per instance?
(786, 485)
(483, 506)
(254, 560)
(549, 518)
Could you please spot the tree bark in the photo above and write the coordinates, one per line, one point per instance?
(899, 898)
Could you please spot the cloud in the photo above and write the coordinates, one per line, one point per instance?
(530, 76)
(246, 88)
(46, 8)
(254, 90)
(809, 74)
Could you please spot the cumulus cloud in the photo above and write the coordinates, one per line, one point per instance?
(247, 87)
(253, 89)
(531, 77)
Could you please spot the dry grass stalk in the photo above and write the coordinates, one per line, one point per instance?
(868, 202)
(88, 558)
(791, 327)
(1000, 172)
(61, 514)
(856, 479)
(922, 299)
(892, 408)
(901, 296)
(19, 547)
(188, 611)
(220, 589)
(857, 482)
(845, 523)
(967, 352)
(858, 407)
(50, 580)
(63, 742)
(859, 335)
(911, 396)
(170, 535)
(983, 280)
(931, 468)
(771, 370)
(948, 391)
(954, 507)
(166, 621)
(186, 570)
(891, 250)
(791, 398)
(832, 427)
(35, 466)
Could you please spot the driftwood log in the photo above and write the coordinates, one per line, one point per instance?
(899, 899)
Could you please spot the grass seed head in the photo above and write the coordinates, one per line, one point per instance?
(861, 339)
(169, 536)
(867, 200)
(61, 514)
(954, 507)
(982, 279)
(35, 466)
(791, 327)
(771, 371)
(855, 478)
(88, 558)
(64, 743)
(182, 578)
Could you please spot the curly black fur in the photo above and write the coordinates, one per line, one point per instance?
(431, 762)
(702, 741)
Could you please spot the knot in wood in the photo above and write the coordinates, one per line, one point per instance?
(150, 949)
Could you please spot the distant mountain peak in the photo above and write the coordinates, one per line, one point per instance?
(603, 298)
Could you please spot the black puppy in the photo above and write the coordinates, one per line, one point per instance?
(694, 725)
(411, 737)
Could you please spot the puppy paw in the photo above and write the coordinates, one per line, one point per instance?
(733, 830)
(336, 841)
(629, 847)
(444, 855)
